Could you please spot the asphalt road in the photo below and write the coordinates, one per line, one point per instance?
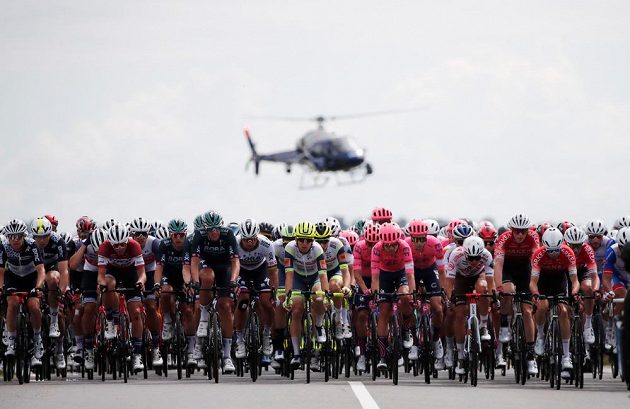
(271, 390)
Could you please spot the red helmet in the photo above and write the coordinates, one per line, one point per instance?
(488, 232)
(371, 232)
(451, 225)
(417, 228)
(563, 226)
(380, 214)
(349, 235)
(542, 228)
(85, 224)
(52, 219)
(389, 233)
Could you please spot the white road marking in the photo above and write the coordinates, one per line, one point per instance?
(365, 399)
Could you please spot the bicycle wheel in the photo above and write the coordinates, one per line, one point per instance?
(374, 354)
(216, 346)
(426, 343)
(395, 347)
(178, 343)
(123, 349)
(598, 325)
(521, 350)
(577, 342)
(473, 352)
(516, 348)
(307, 328)
(252, 338)
(20, 349)
(101, 356)
(556, 361)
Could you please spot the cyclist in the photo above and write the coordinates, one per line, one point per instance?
(512, 272)
(213, 259)
(140, 230)
(120, 264)
(258, 269)
(305, 270)
(266, 229)
(392, 272)
(597, 238)
(550, 266)
(427, 253)
(468, 269)
(22, 270)
(616, 274)
(339, 278)
(363, 278)
(381, 215)
(586, 273)
(287, 234)
(169, 274)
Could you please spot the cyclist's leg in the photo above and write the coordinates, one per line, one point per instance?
(483, 304)
(153, 320)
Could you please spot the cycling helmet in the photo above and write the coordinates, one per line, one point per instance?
(156, 225)
(198, 224)
(139, 225)
(266, 228)
(41, 227)
(596, 227)
(574, 235)
(417, 228)
(488, 232)
(371, 233)
(623, 221)
(389, 233)
(484, 223)
(335, 226)
(288, 232)
(67, 237)
(161, 233)
(86, 224)
(97, 237)
(350, 236)
(276, 234)
(359, 226)
(552, 239)
(623, 236)
(177, 226)
(380, 214)
(322, 231)
(462, 231)
(249, 229)
(52, 219)
(443, 232)
(542, 228)
(305, 230)
(212, 220)
(519, 221)
(565, 225)
(473, 246)
(235, 227)
(107, 224)
(15, 227)
(118, 233)
(433, 227)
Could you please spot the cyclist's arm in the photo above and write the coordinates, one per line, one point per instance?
(359, 280)
(236, 268)
(449, 285)
(77, 258)
(1, 277)
(575, 284)
(41, 275)
(288, 271)
(533, 284)
(194, 268)
(157, 275)
(272, 272)
(64, 279)
(142, 276)
(498, 270)
(323, 272)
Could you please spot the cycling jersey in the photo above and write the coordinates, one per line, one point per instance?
(149, 253)
(54, 252)
(172, 261)
(348, 249)
(459, 266)
(262, 254)
(131, 258)
(23, 262)
(585, 262)
(600, 253)
(336, 257)
(448, 249)
(212, 253)
(431, 253)
(90, 258)
(388, 262)
(542, 262)
(507, 248)
(615, 266)
(362, 259)
(311, 263)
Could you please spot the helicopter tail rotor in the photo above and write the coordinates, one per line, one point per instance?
(255, 157)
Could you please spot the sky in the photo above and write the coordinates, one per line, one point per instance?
(125, 109)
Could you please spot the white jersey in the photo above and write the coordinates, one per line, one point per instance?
(335, 254)
(348, 249)
(600, 253)
(261, 254)
(149, 253)
(278, 250)
(447, 252)
(91, 258)
(458, 265)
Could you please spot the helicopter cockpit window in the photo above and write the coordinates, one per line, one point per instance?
(343, 145)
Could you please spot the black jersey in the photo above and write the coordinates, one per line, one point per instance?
(22, 262)
(170, 258)
(217, 252)
(54, 252)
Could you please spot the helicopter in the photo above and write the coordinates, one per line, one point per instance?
(320, 153)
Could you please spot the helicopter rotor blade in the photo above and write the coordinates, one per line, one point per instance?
(322, 118)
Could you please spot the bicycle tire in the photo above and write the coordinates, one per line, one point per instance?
(522, 350)
(20, 349)
(178, 346)
(515, 348)
(473, 353)
(123, 351)
(557, 353)
(216, 353)
(427, 349)
(396, 350)
(374, 354)
(579, 352)
(253, 345)
(308, 344)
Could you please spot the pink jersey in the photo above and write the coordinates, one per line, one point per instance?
(362, 258)
(384, 261)
(432, 252)
(559, 265)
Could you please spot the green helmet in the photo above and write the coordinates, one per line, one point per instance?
(198, 223)
(305, 230)
(212, 219)
(288, 232)
(177, 226)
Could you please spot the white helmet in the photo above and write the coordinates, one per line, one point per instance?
(596, 227)
(67, 237)
(442, 232)
(107, 224)
(574, 235)
(118, 233)
(519, 221)
(473, 246)
(41, 227)
(335, 226)
(434, 227)
(139, 225)
(249, 229)
(623, 236)
(162, 233)
(552, 239)
(15, 227)
(97, 237)
(623, 221)
(155, 225)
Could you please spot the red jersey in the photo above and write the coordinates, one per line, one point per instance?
(130, 259)
(507, 248)
(432, 252)
(384, 261)
(586, 259)
(362, 258)
(565, 261)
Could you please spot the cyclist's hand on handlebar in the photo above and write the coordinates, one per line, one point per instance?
(346, 291)
(535, 298)
(609, 296)
(156, 288)
(139, 285)
(102, 288)
(287, 304)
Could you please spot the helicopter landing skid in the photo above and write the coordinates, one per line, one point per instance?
(311, 179)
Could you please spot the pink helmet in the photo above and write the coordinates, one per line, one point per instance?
(417, 228)
(371, 232)
(389, 233)
(380, 214)
(349, 235)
